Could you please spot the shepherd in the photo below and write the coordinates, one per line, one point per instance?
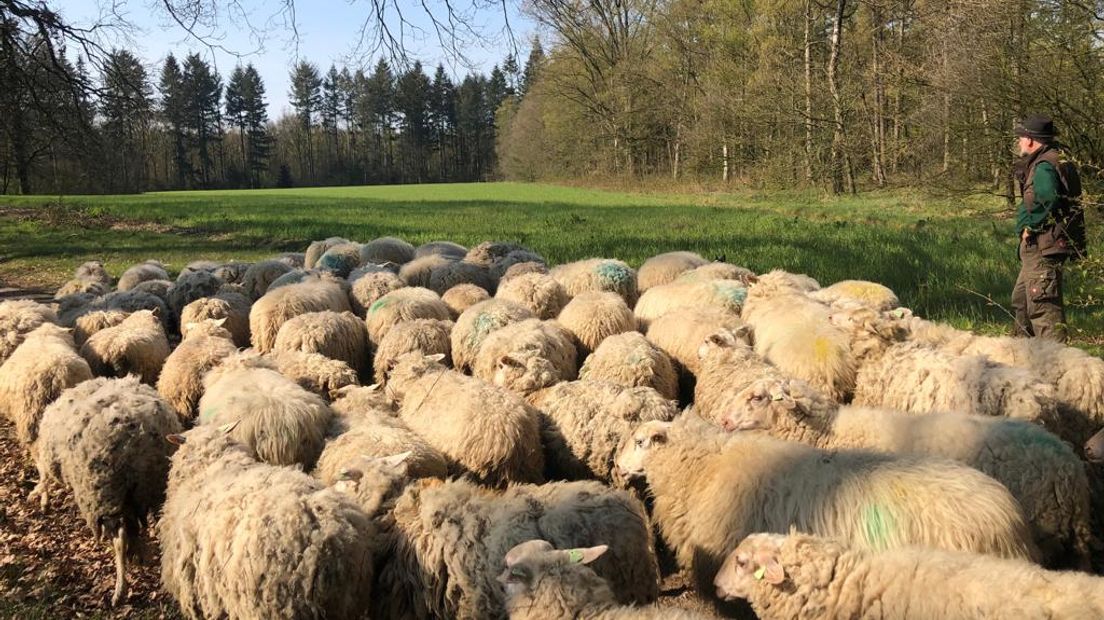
(1051, 228)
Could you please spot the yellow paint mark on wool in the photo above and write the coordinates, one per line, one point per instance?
(822, 348)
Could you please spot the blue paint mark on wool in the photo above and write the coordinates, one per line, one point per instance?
(613, 274)
(484, 324)
(733, 293)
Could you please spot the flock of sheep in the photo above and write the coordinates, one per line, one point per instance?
(378, 430)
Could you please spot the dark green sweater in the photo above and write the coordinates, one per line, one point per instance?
(1046, 184)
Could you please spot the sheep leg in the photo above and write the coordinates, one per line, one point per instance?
(40, 492)
(119, 543)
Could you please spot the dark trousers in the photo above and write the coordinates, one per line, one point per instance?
(1037, 296)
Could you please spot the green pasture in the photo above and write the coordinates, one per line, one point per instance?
(948, 258)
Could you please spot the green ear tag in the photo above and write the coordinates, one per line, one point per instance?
(574, 556)
(760, 573)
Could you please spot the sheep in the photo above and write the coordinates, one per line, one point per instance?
(479, 321)
(778, 281)
(232, 272)
(88, 324)
(377, 434)
(17, 319)
(76, 285)
(727, 295)
(317, 248)
(93, 271)
(517, 257)
(340, 259)
(592, 317)
(1044, 475)
(584, 422)
(242, 539)
(487, 433)
(400, 305)
(802, 576)
(44, 365)
(369, 268)
(136, 345)
(1094, 448)
(387, 250)
(159, 288)
(664, 268)
(443, 248)
(279, 420)
(718, 271)
(417, 271)
(711, 490)
(463, 296)
(540, 293)
(68, 308)
(451, 537)
(136, 274)
(205, 344)
(351, 401)
(196, 266)
(727, 366)
(295, 260)
(313, 372)
(797, 335)
(518, 269)
(278, 306)
(368, 288)
(871, 294)
(542, 582)
(527, 356)
(447, 275)
(425, 336)
(629, 360)
(105, 440)
(337, 335)
(491, 253)
(598, 274)
(130, 301)
(190, 287)
(232, 308)
(259, 276)
(679, 333)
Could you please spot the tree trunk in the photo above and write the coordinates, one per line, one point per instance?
(808, 40)
(878, 155)
(838, 145)
(724, 156)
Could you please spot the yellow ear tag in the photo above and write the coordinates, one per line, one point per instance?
(760, 573)
(574, 556)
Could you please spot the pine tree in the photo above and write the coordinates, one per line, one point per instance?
(330, 112)
(125, 109)
(203, 113)
(497, 90)
(306, 99)
(412, 101)
(512, 72)
(377, 110)
(174, 114)
(256, 123)
(532, 67)
(442, 118)
(234, 100)
(471, 125)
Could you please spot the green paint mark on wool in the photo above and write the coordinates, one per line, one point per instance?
(878, 522)
(208, 414)
(612, 274)
(484, 324)
(731, 293)
(379, 303)
(1036, 437)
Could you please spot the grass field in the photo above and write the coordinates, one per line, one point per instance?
(943, 256)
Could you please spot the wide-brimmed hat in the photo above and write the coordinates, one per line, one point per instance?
(1037, 127)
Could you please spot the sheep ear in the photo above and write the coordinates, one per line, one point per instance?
(220, 322)
(436, 357)
(586, 555)
(659, 435)
(176, 439)
(371, 388)
(396, 459)
(743, 332)
(513, 556)
(156, 311)
(226, 428)
(345, 389)
(510, 361)
(773, 573)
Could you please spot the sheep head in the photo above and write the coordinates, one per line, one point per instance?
(779, 406)
(757, 559)
(724, 339)
(1094, 448)
(630, 458)
(527, 562)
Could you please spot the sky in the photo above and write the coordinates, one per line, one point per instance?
(329, 31)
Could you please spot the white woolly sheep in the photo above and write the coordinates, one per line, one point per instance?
(205, 345)
(444, 248)
(584, 422)
(39, 370)
(598, 274)
(417, 271)
(450, 274)
(540, 293)
(664, 268)
(294, 260)
(374, 434)
(105, 440)
(477, 322)
(463, 296)
(784, 282)
(491, 253)
(370, 287)
(527, 356)
(278, 306)
(75, 286)
(279, 420)
(592, 317)
(487, 433)
(544, 583)
(317, 248)
(518, 269)
(404, 304)
(451, 538)
(727, 295)
(232, 272)
(313, 372)
(629, 360)
(712, 490)
(260, 275)
(88, 324)
(1041, 472)
(340, 259)
(93, 271)
(136, 274)
(337, 335)
(18, 318)
(718, 271)
(870, 294)
(351, 401)
(387, 250)
(424, 336)
(368, 268)
(233, 308)
(136, 345)
(681, 332)
(797, 335)
(801, 576)
(190, 287)
(727, 366)
(242, 539)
